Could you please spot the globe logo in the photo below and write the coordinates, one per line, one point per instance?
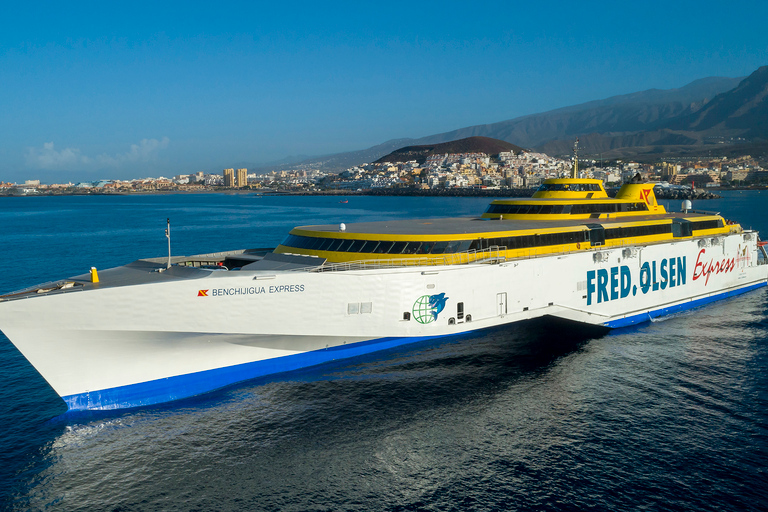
(427, 307)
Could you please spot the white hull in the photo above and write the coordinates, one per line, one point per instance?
(125, 346)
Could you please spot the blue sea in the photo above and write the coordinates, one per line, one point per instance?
(670, 415)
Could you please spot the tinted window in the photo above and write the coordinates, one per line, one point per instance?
(356, 246)
(302, 242)
(635, 231)
(383, 247)
(464, 245)
(397, 248)
(316, 243)
(452, 247)
(707, 224)
(425, 247)
(439, 247)
(412, 248)
(335, 244)
(681, 227)
(345, 245)
(326, 242)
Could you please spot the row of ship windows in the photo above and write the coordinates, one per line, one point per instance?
(572, 209)
(570, 187)
(511, 242)
(375, 246)
(635, 231)
(708, 224)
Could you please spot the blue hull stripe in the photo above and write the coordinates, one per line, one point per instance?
(184, 386)
(646, 317)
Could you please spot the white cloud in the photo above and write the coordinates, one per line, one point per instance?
(144, 151)
(49, 158)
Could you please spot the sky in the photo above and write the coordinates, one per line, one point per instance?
(121, 90)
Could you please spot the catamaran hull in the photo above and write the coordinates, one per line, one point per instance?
(128, 346)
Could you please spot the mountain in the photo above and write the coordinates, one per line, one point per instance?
(620, 118)
(721, 115)
(741, 112)
(736, 119)
(469, 145)
(341, 161)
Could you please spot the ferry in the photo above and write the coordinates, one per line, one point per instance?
(162, 329)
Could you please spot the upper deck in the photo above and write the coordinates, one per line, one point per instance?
(563, 199)
(455, 227)
(438, 237)
(564, 215)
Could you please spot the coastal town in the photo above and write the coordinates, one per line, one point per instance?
(441, 173)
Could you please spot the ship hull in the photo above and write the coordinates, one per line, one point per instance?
(135, 345)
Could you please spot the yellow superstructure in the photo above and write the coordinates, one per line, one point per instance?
(571, 188)
(568, 198)
(564, 215)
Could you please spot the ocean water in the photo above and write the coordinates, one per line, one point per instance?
(670, 415)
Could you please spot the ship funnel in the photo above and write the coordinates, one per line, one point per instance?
(641, 192)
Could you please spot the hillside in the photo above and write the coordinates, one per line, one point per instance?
(735, 120)
(626, 114)
(469, 145)
(716, 115)
(741, 112)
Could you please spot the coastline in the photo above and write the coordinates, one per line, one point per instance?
(661, 193)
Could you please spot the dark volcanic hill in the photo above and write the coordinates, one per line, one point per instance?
(469, 145)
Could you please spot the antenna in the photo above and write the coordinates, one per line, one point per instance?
(576, 159)
(168, 236)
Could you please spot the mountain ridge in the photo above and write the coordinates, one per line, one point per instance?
(646, 124)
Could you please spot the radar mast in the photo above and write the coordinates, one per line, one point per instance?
(575, 159)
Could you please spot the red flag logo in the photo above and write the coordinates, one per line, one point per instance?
(202, 293)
